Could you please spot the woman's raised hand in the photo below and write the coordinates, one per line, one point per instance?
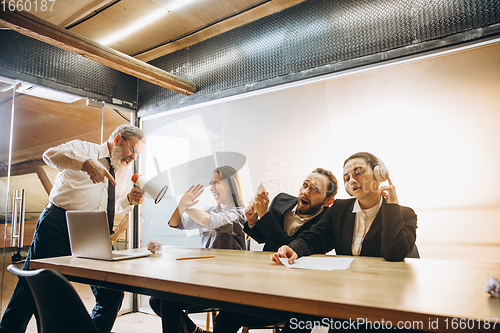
(189, 199)
(389, 192)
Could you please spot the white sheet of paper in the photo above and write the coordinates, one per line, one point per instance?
(328, 263)
(260, 189)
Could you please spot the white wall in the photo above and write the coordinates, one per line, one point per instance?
(433, 122)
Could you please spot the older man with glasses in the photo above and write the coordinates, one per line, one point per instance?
(90, 177)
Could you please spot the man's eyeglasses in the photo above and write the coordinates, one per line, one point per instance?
(133, 150)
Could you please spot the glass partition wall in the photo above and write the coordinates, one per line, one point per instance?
(184, 148)
(29, 126)
(7, 103)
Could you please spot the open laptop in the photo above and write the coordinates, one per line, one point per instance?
(89, 236)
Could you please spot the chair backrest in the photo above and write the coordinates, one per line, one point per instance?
(57, 306)
(414, 253)
(248, 241)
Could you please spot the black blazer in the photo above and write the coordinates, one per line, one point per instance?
(391, 236)
(270, 228)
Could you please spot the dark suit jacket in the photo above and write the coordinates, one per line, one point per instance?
(391, 236)
(270, 230)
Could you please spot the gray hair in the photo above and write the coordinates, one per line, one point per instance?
(128, 131)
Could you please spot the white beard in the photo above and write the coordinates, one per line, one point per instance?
(116, 159)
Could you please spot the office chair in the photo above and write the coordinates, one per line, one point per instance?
(56, 305)
(248, 241)
(211, 313)
(275, 327)
(414, 253)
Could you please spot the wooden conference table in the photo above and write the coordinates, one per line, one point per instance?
(434, 294)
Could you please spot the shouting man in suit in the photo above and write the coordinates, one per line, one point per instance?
(279, 224)
(288, 216)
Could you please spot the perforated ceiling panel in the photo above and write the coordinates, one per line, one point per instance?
(313, 38)
(34, 61)
(438, 18)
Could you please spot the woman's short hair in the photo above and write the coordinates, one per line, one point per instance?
(230, 174)
(333, 184)
(370, 159)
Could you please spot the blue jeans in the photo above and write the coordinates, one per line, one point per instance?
(51, 240)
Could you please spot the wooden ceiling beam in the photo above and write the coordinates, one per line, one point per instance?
(233, 22)
(32, 26)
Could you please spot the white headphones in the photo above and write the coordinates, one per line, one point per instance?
(380, 172)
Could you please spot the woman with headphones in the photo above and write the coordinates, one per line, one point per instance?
(372, 223)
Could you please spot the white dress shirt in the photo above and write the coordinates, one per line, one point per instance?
(225, 228)
(73, 189)
(364, 220)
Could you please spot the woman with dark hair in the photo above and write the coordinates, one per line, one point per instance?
(221, 227)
